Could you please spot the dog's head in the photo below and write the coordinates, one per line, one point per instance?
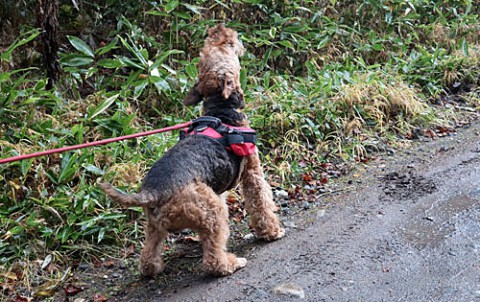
(221, 36)
(219, 86)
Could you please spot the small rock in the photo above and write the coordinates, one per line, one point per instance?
(290, 224)
(320, 213)
(290, 289)
(79, 300)
(281, 194)
(305, 205)
(283, 203)
(249, 236)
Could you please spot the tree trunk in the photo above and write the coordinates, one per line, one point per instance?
(48, 23)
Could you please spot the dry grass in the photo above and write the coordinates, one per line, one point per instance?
(379, 106)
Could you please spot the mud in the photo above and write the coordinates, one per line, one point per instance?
(408, 231)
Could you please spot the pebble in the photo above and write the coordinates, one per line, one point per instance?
(83, 266)
(320, 213)
(249, 236)
(290, 289)
(283, 203)
(281, 194)
(290, 224)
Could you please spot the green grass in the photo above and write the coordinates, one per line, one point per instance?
(321, 85)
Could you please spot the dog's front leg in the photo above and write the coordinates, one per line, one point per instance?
(259, 204)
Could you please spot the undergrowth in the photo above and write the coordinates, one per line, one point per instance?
(324, 81)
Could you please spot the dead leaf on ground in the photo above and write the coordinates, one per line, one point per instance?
(108, 263)
(71, 290)
(99, 298)
(19, 298)
(307, 177)
(129, 251)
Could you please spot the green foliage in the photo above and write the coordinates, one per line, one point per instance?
(323, 81)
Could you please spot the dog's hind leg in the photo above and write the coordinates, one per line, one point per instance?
(259, 204)
(207, 214)
(151, 262)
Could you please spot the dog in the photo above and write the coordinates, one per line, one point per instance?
(186, 189)
(219, 65)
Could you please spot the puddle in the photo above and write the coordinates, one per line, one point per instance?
(439, 222)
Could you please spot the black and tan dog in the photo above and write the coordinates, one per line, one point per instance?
(184, 189)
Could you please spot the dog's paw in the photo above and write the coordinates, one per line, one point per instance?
(273, 234)
(151, 269)
(227, 265)
(280, 233)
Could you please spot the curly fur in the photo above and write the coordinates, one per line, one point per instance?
(184, 189)
(219, 66)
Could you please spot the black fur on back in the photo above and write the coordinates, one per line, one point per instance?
(198, 157)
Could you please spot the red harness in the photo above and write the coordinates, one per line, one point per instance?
(239, 140)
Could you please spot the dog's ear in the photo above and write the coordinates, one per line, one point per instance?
(228, 86)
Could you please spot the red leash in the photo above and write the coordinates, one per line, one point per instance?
(91, 144)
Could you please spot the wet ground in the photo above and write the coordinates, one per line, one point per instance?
(407, 229)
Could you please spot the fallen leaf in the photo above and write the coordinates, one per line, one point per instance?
(99, 298)
(71, 290)
(19, 298)
(129, 251)
(430, 133)
(46, 261)
(108, 263)
(274, 184)
(307, 177)
(231, 199)
(324, 178)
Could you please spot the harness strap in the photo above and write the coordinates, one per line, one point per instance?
(237, 139)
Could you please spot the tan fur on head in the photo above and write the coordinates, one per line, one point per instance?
(222, 36)
(219, 66)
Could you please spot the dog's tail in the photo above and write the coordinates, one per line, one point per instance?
(129, 200)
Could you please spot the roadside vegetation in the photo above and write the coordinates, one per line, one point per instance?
(326, 83)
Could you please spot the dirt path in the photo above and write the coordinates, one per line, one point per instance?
(409, 231)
